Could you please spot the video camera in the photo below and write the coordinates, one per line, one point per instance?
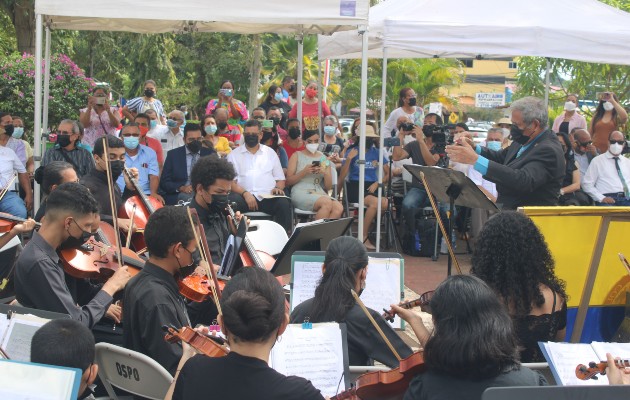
(440, 134)
(407, 126)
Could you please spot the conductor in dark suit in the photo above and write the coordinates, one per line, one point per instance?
(530, 171)
(175, 180)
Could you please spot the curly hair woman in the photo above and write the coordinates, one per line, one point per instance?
(511, 256)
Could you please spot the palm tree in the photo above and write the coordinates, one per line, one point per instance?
(282, 58)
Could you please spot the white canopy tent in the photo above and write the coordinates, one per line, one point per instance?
(143, 16)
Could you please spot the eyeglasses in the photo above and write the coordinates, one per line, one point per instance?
(131, 135)
(621, 142)
(258, 117)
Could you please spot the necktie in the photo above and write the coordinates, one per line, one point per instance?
(626, 192)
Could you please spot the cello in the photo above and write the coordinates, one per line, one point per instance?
(249, 256)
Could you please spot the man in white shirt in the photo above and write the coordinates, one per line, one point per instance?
(478, 217)
(584, 151)
(10, 165)
(607, 178)
(259, 175)
(171, 135)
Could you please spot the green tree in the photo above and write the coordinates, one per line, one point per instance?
(22, 15)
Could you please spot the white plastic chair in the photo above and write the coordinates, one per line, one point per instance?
(355, 371)
(131, 371)
(543, 369)
(267, 236)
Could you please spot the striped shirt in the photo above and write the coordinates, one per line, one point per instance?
(81, 159)
(140, 105)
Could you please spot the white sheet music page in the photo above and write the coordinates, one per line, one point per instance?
(621, 350)
(565, 357)
(315, 354)
(306, 276)
(25, 381)
(17, 339)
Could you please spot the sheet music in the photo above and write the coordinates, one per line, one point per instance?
(565, 357)
(315, 354)
(616, 349)
(17, 339)
(25, 381)
(306, 276)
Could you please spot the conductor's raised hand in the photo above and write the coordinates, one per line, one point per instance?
(462, 152)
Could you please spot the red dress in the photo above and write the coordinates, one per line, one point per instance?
(310, 114)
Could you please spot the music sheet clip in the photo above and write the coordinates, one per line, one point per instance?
(306, 324)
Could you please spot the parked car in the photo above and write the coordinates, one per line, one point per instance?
(479, 134)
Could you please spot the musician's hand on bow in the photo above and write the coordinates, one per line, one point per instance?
(134, 174)
(124, 224)
(24, 227)
(114, 312)
(616, 375)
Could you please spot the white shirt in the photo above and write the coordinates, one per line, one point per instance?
(582, 161)
(257, 173)
(417, 117)
(602, 176)
(167, 139)
(476, 177)
(9, 165)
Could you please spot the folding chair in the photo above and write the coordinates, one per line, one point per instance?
(267, 236)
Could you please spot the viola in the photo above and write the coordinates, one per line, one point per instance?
(97, 258)
(424, 302)
(202, 343)
(250, 257)
(585, 373)
(8, 221)
(139, 207)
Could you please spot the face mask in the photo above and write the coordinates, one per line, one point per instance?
(506, 132)
(517, 135)
(369, 142)
(63, 140)
(412, 101)
(251, 140)
(74, 243)
(117, 168)
(149, 93)
(143, 130)
(222, 125)
(210, 129)
(310, 92)
(292, 88)
(131, 142)
(495, 146)
(18, 132)
(302, 94)
(408, 139)
(190, 268)
(171, 123)
(8, 129)
(278, 97)
(362, 288)
(153, 123)
(330, 130)
(570, 106)
(312, 147)
(194, 146)
(219, 202)
(294, 133)
(276, 121)
(608, 106)
(615, 149)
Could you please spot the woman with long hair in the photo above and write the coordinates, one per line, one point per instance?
(511, 256)
(472, 346)
(345, 268)
(219, 143)
(254, 317)
(274, 99)
(407, 107)
(609, 115)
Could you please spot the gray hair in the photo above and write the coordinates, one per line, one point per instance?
(178, 113)
(75, 125)
(532, 109)
(495, 130)
(331, 118)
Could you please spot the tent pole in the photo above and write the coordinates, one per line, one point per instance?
(380, 156)
(547, 73)
(46, 81)
(37, 118)
(319, 97)
(364, 60)
(300, 72)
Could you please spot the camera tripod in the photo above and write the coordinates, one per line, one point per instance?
(392, 237)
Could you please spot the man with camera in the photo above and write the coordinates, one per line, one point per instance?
(421, 153)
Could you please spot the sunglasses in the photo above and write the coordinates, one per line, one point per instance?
(621, 142)
(585, 144)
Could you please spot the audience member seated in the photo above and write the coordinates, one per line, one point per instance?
(10, 166)
(511, 256)
(99, 118)
(51, 176)
(66, 149)
(570, 193)
(584, 151)
(144, 124)
(473, 345)
(175, 180)
(294, 140)
(7, 129)
(231, 132)
(308, 170)
(607, 177)
(275, 98)
(18, 133)
(258, 177)
(271, 139)
(219, 144)
(274, 114)
(331, 132)
(171, 135)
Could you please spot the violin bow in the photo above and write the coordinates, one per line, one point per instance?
(129, 234)
(440, 223)
(112, 202)
(624, 262)
(6, 188)
(378, 328)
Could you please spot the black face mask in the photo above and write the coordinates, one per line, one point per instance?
(8, 129)
(276, 121)
(294, 133)
(292, 88)
(369, 143)
(221, 125)
(194, 146)
(63, 140)
(251, 140)
(219, 202)
(412, 101)
(517, 135)
(73, 242)
(117, 168)
(190, 268)
(149, 93)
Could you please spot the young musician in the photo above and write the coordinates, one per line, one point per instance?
(253, 319)
(40, 281)
(66, 343)
(345, 268)
(152, 299)
(51, 176)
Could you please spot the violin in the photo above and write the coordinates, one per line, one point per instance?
(585, 373)
(250, 257)
(424, 302)
(202, 343)
(8, 221)
(98, 257)
(138, 208)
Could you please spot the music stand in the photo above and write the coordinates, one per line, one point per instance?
(452, 187)
(314, 237)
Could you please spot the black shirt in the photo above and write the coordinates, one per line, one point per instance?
(238, 377)
(364, 342)
(414, 151)
(96, 181)
(284, 108)
(215, 226)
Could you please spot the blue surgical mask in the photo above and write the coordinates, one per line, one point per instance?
(330, 130)
(278, 96)
(302, 94)
(210, 129)
(18, 132)
(131, 142)
(494, 145)
(153, 123)
(171, 123)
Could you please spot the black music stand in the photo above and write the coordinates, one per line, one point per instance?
(452, 187)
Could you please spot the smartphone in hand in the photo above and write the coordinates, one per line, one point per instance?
(316, 163)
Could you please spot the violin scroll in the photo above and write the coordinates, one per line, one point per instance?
(424, 302)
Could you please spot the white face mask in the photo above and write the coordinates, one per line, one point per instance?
(615, 149)
(312, 147)
(570, 106)
(608, 106)
(408, 139)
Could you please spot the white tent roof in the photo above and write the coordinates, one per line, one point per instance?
(242, 16)
(585, 30)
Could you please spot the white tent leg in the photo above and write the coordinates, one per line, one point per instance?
(45, 124)
(364, 62)
(380, 156)
(547, 73)
(300, 73)
(319, 96)
(37, 118)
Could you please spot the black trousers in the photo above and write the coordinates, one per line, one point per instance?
(280, 208)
